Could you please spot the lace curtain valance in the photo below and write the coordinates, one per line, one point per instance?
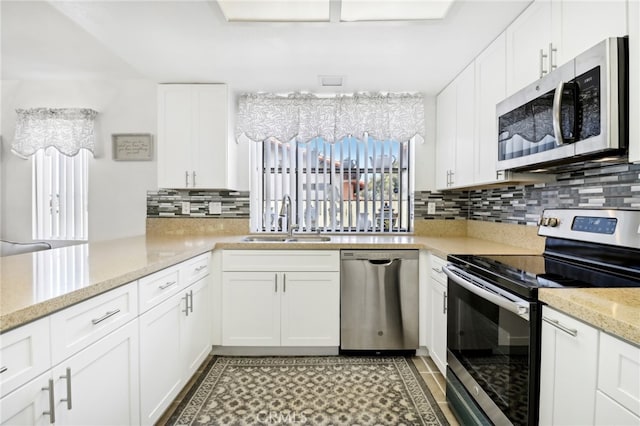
(304, 117)
(66, 129)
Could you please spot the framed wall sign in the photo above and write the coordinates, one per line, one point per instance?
(132, 147)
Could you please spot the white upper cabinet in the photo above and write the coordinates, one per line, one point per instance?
(491, 88)
(634, 80)
(193, 138)
(528, 39)
(455, 131)
(551, 32)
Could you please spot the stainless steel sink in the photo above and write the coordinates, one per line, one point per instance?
(286, 239)
(265, 238)
(308, 239)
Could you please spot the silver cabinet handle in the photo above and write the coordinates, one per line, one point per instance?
(186, 178)
(186, 304)
(200, 268)
(276, 283)
(543, 56)
(3, 369)
(191, 301)
(104, 317)
(284, 283)
(194, 178)
(556, 323)
(167, 285)
(67, 377)
(552, 50)
(452, 174)
(444, 303)
(438, 270)
(52, 403)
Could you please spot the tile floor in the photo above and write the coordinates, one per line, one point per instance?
(432, 377)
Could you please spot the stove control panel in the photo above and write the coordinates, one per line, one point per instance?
(605, 226)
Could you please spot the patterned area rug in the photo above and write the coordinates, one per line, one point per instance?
(332, 390)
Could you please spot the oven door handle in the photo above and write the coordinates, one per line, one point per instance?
(520, 308)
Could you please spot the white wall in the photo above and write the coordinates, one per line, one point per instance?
(117, 189)
(425, 151)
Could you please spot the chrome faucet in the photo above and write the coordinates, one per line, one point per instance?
(285, 213)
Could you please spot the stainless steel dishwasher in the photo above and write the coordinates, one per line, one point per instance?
(379, 300)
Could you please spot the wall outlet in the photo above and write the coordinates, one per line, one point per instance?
(431, 207)
(215, 207)
(186, 207)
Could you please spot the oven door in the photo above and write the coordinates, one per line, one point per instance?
(491, 348)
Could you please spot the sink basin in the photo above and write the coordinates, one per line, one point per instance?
(285, 239)
(308, 239)
(265, 238)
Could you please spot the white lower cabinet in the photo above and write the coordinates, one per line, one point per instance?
(174, 341)
(100, 384)
(588, 377)
(96, 386)
(438, 311)
(568, 370)
(281, 298)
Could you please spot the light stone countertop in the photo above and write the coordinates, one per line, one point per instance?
(614, 310)
(29, 289)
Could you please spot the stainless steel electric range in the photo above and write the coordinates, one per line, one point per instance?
(494, 316)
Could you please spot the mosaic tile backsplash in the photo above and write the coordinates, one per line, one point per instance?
(168, 203)
(594, 186)
(613, 186)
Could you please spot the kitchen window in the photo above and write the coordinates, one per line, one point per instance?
(60, 193)
(345, 162)
(353, 185)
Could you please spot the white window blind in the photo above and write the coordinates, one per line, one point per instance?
(351, 185)
(60, 192)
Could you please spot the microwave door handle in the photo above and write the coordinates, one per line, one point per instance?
(556, 112)
(519, 308)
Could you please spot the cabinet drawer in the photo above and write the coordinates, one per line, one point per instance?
(157, 287)
(436, 269)
(281, 260)
(618, 372)
(78, 326)
(194, 269)
(24, 353)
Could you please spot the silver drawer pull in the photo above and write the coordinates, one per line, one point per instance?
(3, 369)
(200, 268)
(67, 377)
(104, 317)
(167, 285)
(438, 270)
(556, 323)
(52, 403)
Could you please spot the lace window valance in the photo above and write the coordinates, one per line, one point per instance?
(304, 117)
(66, 129)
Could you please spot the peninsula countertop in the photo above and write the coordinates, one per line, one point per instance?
(37, 284)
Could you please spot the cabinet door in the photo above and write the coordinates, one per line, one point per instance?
(438, 346)
(210, 138)
(465, 130)
(100, 384)
(251, 309)
(586, 23)
(175, 136)
(609, 412)
(569, 356)
(491, 88)
(310, 309)
(445, 135)
(160, 362)
(27, 404)
(526, 36)
(195, 330)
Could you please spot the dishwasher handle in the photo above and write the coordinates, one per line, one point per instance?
(382, 262)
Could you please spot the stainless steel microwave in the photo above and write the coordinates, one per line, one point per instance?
(577, 112)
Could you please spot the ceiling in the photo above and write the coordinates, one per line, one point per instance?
(191, 41)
